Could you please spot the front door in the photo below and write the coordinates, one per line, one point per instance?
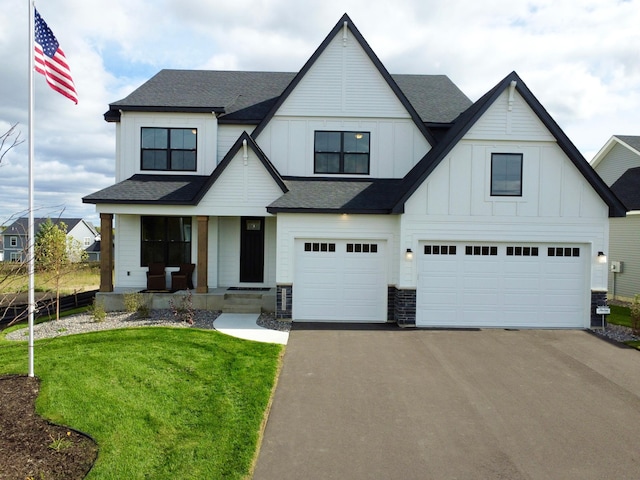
(252, 249)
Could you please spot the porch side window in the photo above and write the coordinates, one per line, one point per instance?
(506, 174)
(166, 240)
(341, 152)
(168, 149)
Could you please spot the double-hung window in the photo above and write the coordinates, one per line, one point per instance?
(341, 152)
(168, 149)
(166, 240)
(506, 174)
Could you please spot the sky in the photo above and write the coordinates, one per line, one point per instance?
(580, 59)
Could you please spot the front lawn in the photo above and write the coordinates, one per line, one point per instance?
(162, 403)
(619, 315)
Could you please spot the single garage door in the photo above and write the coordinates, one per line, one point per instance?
(340, 281)
(502, 285)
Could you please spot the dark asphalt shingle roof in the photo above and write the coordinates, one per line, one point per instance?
(322, 195)
(627, 188)
(150, 189)
(249, 96)
(631, 140)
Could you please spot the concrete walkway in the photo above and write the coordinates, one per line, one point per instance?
(243, 325)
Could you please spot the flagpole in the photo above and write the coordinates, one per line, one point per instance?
(30, 235)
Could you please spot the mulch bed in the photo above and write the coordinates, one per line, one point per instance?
(31, 447)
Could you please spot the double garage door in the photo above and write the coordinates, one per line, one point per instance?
(502, 285)
(340, 281)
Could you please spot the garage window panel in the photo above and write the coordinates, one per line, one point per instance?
(513, 251)
(319, 247)
(362, 248)
(440, 249)
(481, 250)
(563, 252)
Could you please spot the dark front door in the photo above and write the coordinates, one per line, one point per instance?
(252, 249)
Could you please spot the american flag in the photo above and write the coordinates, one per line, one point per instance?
(51, 62)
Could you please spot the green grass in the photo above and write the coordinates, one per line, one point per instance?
(162, 403)
(620, 316)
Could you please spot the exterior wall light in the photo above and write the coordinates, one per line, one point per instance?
(602, 258)
(409, 254)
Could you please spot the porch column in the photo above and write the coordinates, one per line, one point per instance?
(202, 285)
(106, 252)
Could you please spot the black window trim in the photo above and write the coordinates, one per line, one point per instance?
(169, 150)
(493, 154)
(342, 152)
(165, 240)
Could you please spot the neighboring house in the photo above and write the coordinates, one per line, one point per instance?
(618, 163)
(360, 196)
(15, 236)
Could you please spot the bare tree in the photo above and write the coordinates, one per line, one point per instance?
(9, 139)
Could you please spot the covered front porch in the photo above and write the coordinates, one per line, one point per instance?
(234, 256)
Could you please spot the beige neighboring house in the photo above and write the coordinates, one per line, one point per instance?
(618, 163)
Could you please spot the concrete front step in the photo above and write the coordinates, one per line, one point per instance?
(242, 303)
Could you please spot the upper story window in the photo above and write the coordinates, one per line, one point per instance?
(341, 152)
(506, 174)
(13, 241)
(168, 149)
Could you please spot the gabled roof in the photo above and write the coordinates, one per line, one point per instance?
(145, 189)
(631, 142)
(152, 189)
(21, 225)
(247, 97)
(345, 22)
(245, 137)
(239, 96)
(627, 188)
(337, 195)
(464, 123)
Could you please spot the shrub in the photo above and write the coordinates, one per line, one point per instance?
(98, 311)
(183, 311)
(135, 302)
(635, 315)
(132, 301)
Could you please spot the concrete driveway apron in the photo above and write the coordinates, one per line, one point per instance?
(385, 403)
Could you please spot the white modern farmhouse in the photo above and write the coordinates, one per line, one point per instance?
(354, 195)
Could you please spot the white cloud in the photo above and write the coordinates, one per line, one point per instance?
(580, 59)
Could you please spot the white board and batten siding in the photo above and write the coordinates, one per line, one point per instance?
(343, 91)
(558, 208)
(129, 132)
(241, 189)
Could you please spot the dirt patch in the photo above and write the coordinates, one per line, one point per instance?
(31, 447)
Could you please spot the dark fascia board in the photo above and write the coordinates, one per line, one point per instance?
(136, 202)
(372, 56)
(334, 211)
(114, 112)
(467, 119)
(229, 157)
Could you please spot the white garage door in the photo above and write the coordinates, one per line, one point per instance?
(340, 281)
(502, 285)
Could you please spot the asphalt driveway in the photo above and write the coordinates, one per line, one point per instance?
(386, 403)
